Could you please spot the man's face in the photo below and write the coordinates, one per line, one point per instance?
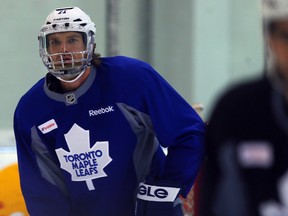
(66, 43)
(279, 44)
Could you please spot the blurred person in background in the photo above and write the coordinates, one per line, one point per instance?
(90, 134)
(247, 137)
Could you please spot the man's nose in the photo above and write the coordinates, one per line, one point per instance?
(64, 48)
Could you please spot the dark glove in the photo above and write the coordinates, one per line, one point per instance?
(155, 200)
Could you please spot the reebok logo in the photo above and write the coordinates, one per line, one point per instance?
(101, 111)
(48, 126)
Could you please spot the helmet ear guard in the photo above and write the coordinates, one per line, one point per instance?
(70, 19)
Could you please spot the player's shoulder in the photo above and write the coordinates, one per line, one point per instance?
(247, 90)
(242, 95)
(124, 64)
(33, 94)
(122, 60)
(128, 70)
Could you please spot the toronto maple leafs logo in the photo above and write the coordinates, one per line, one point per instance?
(82, 162)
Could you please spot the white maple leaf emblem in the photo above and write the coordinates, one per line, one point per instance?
(82, 162)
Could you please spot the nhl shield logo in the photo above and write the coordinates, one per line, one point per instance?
(70, 98)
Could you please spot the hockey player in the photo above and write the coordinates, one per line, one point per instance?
(90, 134)
(247, 171)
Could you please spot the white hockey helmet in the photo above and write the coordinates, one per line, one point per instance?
(67, 19)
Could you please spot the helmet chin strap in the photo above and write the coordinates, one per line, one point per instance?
(73, 80)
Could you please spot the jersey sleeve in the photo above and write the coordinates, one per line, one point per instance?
(179, 128)
(42, 196)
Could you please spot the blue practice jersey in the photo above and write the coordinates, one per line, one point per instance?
(85, 152)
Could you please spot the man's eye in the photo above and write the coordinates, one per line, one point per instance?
(73, 40)
(54, 42)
